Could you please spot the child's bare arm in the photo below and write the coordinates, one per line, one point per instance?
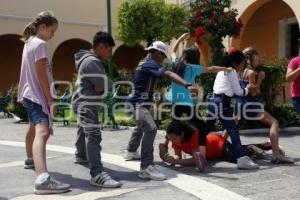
(41, 70)
(292, 74)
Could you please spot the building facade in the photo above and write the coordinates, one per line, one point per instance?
(270, 26)
(78, 22)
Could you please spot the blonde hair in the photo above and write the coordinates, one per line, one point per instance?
(249, 52)
(45, 17)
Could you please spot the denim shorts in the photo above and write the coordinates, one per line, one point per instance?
(296, 103)
(35, 112)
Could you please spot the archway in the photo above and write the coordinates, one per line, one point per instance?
(126, 57)
(63, 58)
(11, 57)
(271, 27)
(261, 26)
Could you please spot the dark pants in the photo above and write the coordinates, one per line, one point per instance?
(220, 108)
(228, 152)
(89, 137)
(296, 103)
(195, 120)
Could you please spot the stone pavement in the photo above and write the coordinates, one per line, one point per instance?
(220, 181)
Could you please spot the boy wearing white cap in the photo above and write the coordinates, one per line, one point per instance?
(145, 76)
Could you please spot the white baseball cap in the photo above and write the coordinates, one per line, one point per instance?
(159, 46)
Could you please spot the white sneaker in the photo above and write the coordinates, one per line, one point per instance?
(132, 155)
(105, 181)
(151, 173)
(246, 163)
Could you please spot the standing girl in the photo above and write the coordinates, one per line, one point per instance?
(250, 102)
(225, 87)
(34, 92)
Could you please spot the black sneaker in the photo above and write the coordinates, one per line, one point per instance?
(80, 161)
(105, 181)
(29, 163)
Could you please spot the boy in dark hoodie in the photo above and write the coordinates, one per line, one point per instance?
(92, 84)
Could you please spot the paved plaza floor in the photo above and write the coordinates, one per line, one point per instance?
(221, 181)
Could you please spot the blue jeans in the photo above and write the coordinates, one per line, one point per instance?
(296, 103)
(35, 112)
(220, 108)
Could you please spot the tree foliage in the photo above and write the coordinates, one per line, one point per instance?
(149, 20)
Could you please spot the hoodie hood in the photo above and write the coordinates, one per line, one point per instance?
(81, 55)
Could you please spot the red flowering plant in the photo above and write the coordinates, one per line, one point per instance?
(216, 18)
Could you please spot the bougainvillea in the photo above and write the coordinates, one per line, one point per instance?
(216, 17)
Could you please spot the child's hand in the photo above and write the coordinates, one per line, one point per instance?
(52, 108)
(228, 70)
(170, 159)
(163, 150)
(251, 86)
(184, 36)
(193, 90)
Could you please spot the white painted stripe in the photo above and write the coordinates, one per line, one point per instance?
(191, 184)
(12, 164)
(16, 163)
(83, 196)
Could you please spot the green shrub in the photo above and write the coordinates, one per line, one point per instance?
(15, 107)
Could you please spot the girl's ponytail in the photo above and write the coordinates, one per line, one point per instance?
(29, 30)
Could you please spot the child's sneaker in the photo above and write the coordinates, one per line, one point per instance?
(51, 186)
(80, 161)
(131, 155)
(246, 163)
(151, 173)
(255, 152)
(282, 160)
(200, 160)
(29, 163)
(105, 181)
